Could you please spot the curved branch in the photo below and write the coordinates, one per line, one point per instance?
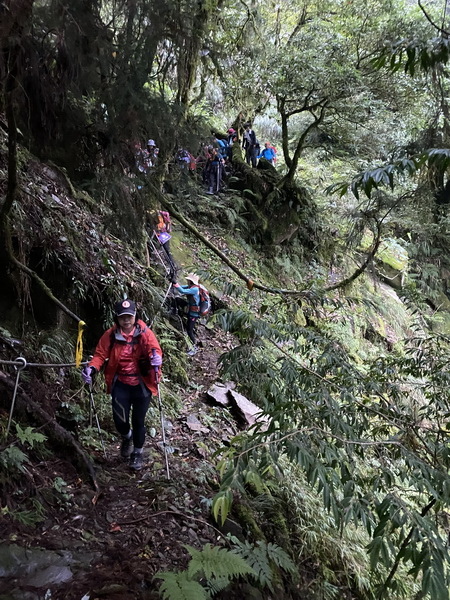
(406, 541)
(363, 267)
(250, 283)
(430, 20)
(300, 144)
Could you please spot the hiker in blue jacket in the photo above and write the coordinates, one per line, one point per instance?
(268, 153)
(192, 292)
(222, 146)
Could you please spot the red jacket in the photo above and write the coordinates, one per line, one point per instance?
(110, 347)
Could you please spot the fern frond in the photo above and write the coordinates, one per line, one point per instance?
(216, 585)
(259, 562)
(213, 562)
(260, 556)
(178, 586)
(279, 557)
(13, 458)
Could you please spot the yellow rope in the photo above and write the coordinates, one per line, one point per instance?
(79, 349)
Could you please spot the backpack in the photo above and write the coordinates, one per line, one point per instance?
(144, 364)
(223, 148)
(205, 301)
(164, 221)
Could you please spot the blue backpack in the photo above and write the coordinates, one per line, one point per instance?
(223, 148)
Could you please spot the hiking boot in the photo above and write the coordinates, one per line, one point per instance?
(193, 351)
(136, 461)
(126, 447)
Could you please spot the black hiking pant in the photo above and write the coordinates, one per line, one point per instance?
(251, 153)
(190, 329)
(135, 399)
(214, 179)
(180, 306)
(172, 265)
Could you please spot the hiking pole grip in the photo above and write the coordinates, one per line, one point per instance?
(156, 367)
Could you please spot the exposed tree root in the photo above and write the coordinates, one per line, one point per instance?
(61, 440)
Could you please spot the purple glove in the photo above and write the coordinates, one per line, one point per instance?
(86, 374)
(156, 360)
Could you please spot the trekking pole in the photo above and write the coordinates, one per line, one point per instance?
(18, 368)
(161, 414)
(158, 255)
(162, 304)
(94, 412)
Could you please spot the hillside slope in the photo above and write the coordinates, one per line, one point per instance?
(134, 526)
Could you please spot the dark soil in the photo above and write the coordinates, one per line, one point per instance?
(139, 523)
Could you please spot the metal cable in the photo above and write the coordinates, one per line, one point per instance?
(18, 362)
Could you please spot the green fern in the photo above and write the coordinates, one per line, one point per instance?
(260, 556)
(258, 559)
(30, 518)
(214, 586)
(29, 436)
(178, 586)
(279, 557)
(216, 563)
(13, 458)
(216, 566)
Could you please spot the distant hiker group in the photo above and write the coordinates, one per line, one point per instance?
(214, 157)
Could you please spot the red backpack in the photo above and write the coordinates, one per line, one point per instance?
(205, 301)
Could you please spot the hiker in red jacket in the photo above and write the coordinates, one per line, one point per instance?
(133, 360)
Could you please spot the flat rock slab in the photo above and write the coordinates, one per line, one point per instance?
(249, 411)
(219, 393)
(225, 395)
(194, 424)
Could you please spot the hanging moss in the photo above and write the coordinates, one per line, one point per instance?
(247, 520)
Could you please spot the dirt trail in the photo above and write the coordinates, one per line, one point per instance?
(140, 522)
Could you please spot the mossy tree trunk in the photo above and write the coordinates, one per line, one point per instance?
(280, 208)
(14, 18)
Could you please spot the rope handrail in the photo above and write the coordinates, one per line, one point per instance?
(19, 363)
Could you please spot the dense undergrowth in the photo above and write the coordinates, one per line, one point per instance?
(353, 383)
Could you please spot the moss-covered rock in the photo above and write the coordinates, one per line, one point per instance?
(440, 322)
(390, 252)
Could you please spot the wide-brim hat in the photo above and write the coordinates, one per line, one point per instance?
(151, 143)
(192, 277)
(125, 307)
